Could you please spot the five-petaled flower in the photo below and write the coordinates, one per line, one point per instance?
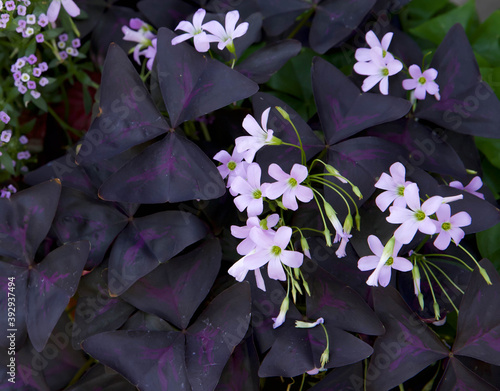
(225, 36)
(422, 82)
(475, 184)
(288, 185)
(250, 190)
(448, 226)
(383, 267)
(364, 54)
(394, 186)
(195, 30)
(232, 166)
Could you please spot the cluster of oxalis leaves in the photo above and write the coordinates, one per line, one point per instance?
(135, 222)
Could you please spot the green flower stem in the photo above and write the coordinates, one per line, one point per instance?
(446, 276)
(319, 176)
(481, 269)
(303, 380)
(421, 244)
(53, 47)
(287, 117)
(329, 184)
(452, 257)
(319, 206)
(430, 286)
(305, 17)
(82, 370)
(63, 124)
(73, 26)
(290, 145)
(205, 131)
(425, 265)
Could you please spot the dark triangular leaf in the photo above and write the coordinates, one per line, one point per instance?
(407, 347)
(147, 322)
(345, 348)
(212, 338)
(335, 20)
(51, 284)
(458, 377)
(147, 242)
(159, 363)
(262, 64)
(343, 110)
(281, 14)
(165, 13)
(171, 170)
(175, 289)
(192, 84)
(25, 219)
(478, 328)
(467, 105)
(127, 115)
(98, 378)
(79, 217)
(348, 378)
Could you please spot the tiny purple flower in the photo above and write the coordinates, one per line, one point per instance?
(6, 135)
(3, 24)
(32, 59)
(23, 140)
(35, 94)
(21, 10)
(39, 38)
(288, 186)
(364, 54)
(31, 19)
(31, 85)
(382, 272)
(232, 166)
(10, 5)
(12, 189)
(22, 89)
(394, 186)
(4, 193)
(378, 70)
(448, 226)
(4, 117)
(20, 63)
(247, 245)
(43, 66)
(43, 20)
(27, 3)
(37, 72)
(194, 30)
(23, 155)
(5, 17)
(22, 24)
(16, 75)
(43, 81)
(63, 55)
(422, 82)
(225, 36)
(416, 218)
(76, 43)
(475, 184)
(239, 271)
(63, 37)
(28, 32)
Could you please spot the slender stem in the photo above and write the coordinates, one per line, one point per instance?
(204, 129)
(82, 370)
(318, 176)
(452, 257)
(421, 244)
(429, 282)
(319, 206)
(63, 124)
(365, 374)
(305, 18)
(290, 145)
(302, 152)
(444, 274)
(439, 284)
(326, 183)
(303, 380)
(468, 253)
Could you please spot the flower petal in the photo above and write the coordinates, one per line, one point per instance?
(275, 190)
(431, 205)
(415, 71)
(443, 240)
(371, 39)
(430, 74)
(292, 258)
(385, 199)
(215, 28)
(275, 270)
(289, 200)
(410, 84)
(71, 8)
(384, 86)
(304, 194)
(282, 237)
(369, 262)
(231, 20)
(443, 213)
(370, 82)
(402, 264)
(461, 219)
(427, 226)
(363, 55)
(386, 41)
(407, 231)
(412, 196)
(366, 68)
(198, 18)
(240, 30)
(385, 275)
(420, 91)
(375, 245)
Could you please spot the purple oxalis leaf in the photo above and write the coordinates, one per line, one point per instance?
(343, 110)
(165, 13)
(193, 85)
(98, 378)
(458, 377)
(478, 328)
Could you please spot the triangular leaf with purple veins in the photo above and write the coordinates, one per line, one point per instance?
(147, 322)
(347, 378)
(458, 377)
(98, 378)
(25, 219)
(51, 284)
(212, 338)
(165, 13)
(193, 85)
(127, 115)
(279, 15)
(97, 312)
(240, 372)
(345, 348)
(342, 108)
(335, 20)
(424, 147)
(286, 156)
(18, 284)
(159, 363)
(171, 170)
(147, 242)
(338, 304)
(467, 104)
(263, 63)
(484, 215)
(478, 328)
(175, 289)
(407, 347)
(79, 217)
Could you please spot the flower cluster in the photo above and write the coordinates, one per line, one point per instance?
(27, 74)
(223, 35)
(378, 64)
(68, 47)
(432, 217)
(11, 145)
(141, 33)
(7, 191)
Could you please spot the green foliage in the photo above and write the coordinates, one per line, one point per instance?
(486, 40)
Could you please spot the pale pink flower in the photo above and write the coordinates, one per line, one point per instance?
(239, 271)
(251, 193)
(378, 70)
(232, 166)
(447, 226)
(383, 268)
(475, 184)
(364, 54)
(259, 136)
(416, 218)
(69, 5)
(247, 245)
(422, 82)
(288, 185)
(271, 251)
(195, 30)
(394, 186)
(225, 36)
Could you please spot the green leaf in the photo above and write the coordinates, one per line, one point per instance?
(435, 29)
(52, 33)
(486, 40)
(490, 148)
(6, 160)
(419, 11)
(492, 77)
(489, 245)
(87, 99)
(491, 177)
(40, 103)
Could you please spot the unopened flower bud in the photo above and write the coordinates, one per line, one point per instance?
(355, 190)
(421, 300)
(283, 113)
(282, 315)
(325, 357)
(357, 220)
(348, 224)
(308, 325)
(484, 273)
(328, 238)
(305, 247)
(437, 311)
